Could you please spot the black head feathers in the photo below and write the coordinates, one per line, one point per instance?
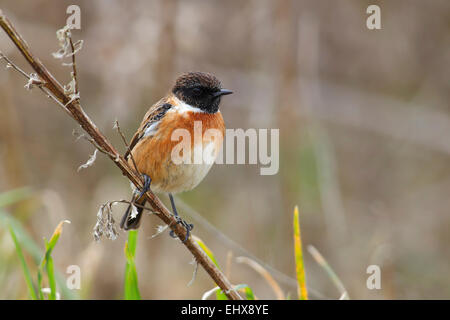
(200, 90)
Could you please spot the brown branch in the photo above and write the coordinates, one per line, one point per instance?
(75, 109)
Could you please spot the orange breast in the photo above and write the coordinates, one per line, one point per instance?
(153, 154)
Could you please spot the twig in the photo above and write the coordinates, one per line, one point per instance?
(133, 203)
(89, 139)
(117, 126)
(74, 107)
(10, 64)
(74, 65)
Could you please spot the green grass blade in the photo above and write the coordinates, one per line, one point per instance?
(333, 276)
(219, 294)
(30, 246)
(249, 294)
(24, 265)
(55, 237)
(27, 243)
(39, 284)
(131, 288)
(300, 268)
(132, 241)
(50, 272)
(10, 197)
(265, 274)
(47, 262)
(208, 251)
(131, 283)
(248, 291)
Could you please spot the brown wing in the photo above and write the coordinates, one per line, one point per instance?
(153, 115)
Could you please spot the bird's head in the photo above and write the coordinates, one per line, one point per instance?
(200, 90)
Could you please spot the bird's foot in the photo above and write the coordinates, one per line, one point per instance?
(187, 226)
(147, 182)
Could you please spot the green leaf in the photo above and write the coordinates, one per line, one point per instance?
(220, 295)
(50, 273)
(39, 284)
(23, 237)
(24, 265)
(131, 288)
(55, 237)
(51, 278)
(300, 268)
(208, 252)
(132, 242)
(248, 291)
(249, 294)
(27, 243)
(47, 262)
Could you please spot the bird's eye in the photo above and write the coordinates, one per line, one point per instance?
(196, 91)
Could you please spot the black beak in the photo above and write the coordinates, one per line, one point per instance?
(222, 92)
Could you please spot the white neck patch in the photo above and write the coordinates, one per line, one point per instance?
(182, 107)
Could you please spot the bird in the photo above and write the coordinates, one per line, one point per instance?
(194, 98)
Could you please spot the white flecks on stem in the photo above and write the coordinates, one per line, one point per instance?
(159, 229)
(90, 161)
(194, 274)
(32, 81)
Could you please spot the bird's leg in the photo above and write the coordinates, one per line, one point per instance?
(187, 226)
(147, 182)
(172, 202)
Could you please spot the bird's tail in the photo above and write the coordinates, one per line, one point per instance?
(128, 221)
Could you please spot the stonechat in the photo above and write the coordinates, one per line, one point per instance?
(195, 97)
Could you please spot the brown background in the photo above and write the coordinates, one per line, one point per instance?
(364, 125)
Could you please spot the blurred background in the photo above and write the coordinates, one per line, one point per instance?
(364, 125)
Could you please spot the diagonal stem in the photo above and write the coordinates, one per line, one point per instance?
(75, 109)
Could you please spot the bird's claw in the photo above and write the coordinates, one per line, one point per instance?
(187, 226)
